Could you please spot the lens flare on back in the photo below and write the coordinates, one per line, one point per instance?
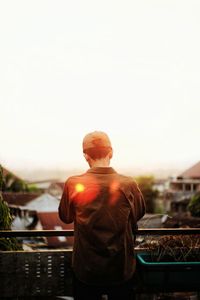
(85, 190)
(114, 192)
(79, 187)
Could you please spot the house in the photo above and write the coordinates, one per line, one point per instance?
(23, 218)
(182, 221)
(160, 185)
(19, 198)
(180, 206)
(56, 189)
(38, 213)
(188, 181)
(51, 221)
(44, 203)
(151, 221)
(182, 188)
(24, 208)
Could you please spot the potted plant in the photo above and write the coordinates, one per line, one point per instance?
(170, 263)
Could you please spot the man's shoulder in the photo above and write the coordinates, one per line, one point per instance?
(75, 178)
(127, 179)
(121, 178)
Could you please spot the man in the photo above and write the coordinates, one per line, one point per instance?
(105, 207)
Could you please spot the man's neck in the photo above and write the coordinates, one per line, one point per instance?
(102, 163)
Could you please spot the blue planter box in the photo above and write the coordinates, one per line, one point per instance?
(175, 276)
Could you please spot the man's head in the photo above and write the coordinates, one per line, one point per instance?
(97, 146)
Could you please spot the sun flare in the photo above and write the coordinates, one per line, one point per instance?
(79, 187)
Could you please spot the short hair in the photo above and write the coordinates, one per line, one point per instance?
(97, 152)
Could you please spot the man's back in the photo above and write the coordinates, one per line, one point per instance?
(105, 207)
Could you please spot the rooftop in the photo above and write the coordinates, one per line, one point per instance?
(193, 172)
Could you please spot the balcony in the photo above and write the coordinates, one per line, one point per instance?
(47, 273)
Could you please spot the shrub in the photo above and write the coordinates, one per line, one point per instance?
(194, 205)
(146, 185)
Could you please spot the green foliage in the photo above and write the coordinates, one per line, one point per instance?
(1, 178)
(9, 244)
(145, 184)
(5, 216)
(5, 224)
(12, 184)
(32, 188)
(158, 209)
(194, 205)
(5, 221)
(18, 186)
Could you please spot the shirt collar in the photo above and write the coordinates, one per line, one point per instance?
(101, 170)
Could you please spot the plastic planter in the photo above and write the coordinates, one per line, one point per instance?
(175, 276)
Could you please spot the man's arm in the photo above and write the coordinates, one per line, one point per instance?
(136, 201)
(66, 208)
(139, 203)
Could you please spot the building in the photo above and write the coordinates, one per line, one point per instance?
(19, 198)
(181, 189)
(51, 221)
(44, 202)
(23, 218)
(56, 189)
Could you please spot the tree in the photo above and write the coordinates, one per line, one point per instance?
(150, 194)
(12, 184)
(194, 205)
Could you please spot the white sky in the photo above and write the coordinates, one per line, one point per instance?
(130, 68)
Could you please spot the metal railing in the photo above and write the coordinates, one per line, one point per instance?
(70, 232)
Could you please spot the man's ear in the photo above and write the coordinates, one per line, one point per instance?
(111, 154)
(87, 158)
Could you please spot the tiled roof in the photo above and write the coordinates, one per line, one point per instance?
(181, 222)
(51, 221)
(60, 184)
(20, 199)
(192, 172)
(44, 203)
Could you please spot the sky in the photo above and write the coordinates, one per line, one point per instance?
(129, 68)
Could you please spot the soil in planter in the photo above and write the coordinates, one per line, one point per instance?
(183, 248)
(177, 258)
